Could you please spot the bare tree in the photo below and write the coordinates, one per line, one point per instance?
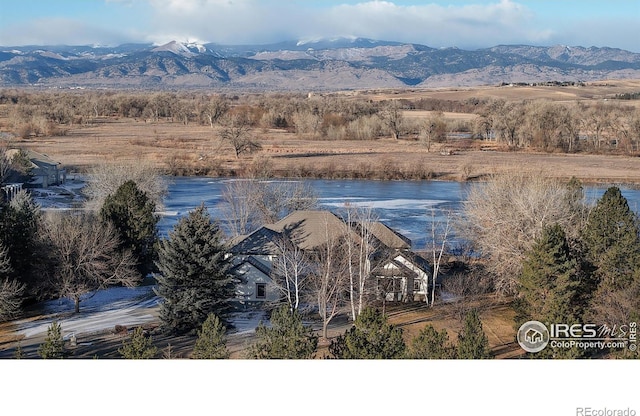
(440, 233)
(328, 280)
(105, 179)
(248, 204)
(214, 109)
(433, 129)
(393, 118)
(236, 131)
(360, 247)
(84, 256)
(503, 218)
(290, 272)
(11, 291)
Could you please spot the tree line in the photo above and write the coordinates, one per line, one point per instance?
(604, 126)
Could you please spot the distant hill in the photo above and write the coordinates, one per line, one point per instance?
(322, 64)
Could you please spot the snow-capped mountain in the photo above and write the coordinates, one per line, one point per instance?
(326, 63)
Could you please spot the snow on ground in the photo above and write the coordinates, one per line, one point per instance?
(102, 311)
(62, 196)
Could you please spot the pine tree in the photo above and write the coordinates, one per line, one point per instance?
(193, 279)
(612, 240)
(550, 287)
(371, 337)
(473, 343)
(53, 346)
(132, 213)
(211, 342)
(549, 281)
(19, 353)
(19, 227)
(138, 347)
(431, 344)
(287, 338)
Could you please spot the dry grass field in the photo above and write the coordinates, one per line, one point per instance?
(195, 149)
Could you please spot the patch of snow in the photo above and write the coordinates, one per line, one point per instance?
(99, 311)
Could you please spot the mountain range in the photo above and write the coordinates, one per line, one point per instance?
(321, 64)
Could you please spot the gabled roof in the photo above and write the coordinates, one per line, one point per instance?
(37, 159)
(389, 237)
(310, 229)
(261, 241)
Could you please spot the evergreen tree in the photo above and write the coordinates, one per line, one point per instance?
(132, 214)
(193, 279)
(431, 344)
(19, 227)
(549, 287)
(53, 346)
(371, 337)
(473, 343)
(19, 353)
(612, 240)
(138, 347)
(211, 342)
(549, 281)
(287, 338)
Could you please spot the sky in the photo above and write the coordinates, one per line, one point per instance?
(454, 23)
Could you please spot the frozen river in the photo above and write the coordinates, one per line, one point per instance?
(405, 206)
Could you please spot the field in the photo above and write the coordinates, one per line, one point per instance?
(196, 149)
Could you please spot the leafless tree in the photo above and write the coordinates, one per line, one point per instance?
(248, 204)
(360, 247)
(11, 290)
(290, 272)
(236, 132)
(504, 216)
(392, 117)
(433, 130)
(328, 279)
(84, 256)
(214, 109)
(105, 179)
(440, 233)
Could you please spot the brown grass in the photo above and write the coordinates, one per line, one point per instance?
(197, 150)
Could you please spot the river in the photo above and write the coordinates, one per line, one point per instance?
(405, 206)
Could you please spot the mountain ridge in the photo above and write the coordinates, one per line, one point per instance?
(320, 64)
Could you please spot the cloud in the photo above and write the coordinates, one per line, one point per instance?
(252, 21)
(464, 24)
(62, 31)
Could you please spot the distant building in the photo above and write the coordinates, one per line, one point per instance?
(43, 171)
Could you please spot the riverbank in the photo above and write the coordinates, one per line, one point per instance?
(195, 150)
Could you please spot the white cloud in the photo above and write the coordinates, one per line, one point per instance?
(62, 31)
(463, 24)
(252, 21)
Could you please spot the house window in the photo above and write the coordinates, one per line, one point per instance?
(416, 285)
(261, 290)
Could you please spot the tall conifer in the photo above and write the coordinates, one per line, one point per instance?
(193, 279)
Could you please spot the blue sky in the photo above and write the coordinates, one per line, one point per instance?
(460, 23)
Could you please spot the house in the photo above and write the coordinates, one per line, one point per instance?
(42, 170)
(401, 273)
(403, 277)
